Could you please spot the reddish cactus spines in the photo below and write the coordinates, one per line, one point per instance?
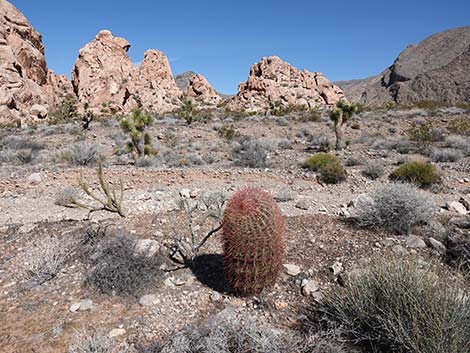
(253, 241)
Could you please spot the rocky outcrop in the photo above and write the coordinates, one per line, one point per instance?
(197, 88)
(104, 77)
(437, 69)
(28, 89)
(273, 81)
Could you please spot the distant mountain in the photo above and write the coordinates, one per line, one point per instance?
(436, 69)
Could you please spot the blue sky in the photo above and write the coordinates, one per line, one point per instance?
(222, 39)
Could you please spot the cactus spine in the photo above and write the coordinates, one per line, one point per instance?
(253, 241)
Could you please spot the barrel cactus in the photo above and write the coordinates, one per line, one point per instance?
(253, 241)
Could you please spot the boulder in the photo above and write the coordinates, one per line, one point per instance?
(273, 82)
(105, 78)
(27, 90)
(200, 90)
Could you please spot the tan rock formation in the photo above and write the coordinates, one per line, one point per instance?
(104, 76)
(201, 90)
(273, 81)
(25, 81)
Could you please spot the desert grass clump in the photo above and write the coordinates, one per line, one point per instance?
(250, 152)
(121, 268)
(42, 260)
(253, 241)
(420, 173)
(373, 170)
(398, 207)
(84, 153)
(396, 306)
(319, 161)
(459, 142)
(231, 333)
(445, 155)
(19, 151)
(93, 342)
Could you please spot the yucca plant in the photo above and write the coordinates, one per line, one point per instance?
(340, 116)
(140, 144)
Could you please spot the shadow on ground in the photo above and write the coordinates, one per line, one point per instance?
(209, 270)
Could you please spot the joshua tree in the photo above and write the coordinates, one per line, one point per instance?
(87, 116)
(340, 116)
(135, 126)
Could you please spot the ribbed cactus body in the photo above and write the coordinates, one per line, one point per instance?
(253, 241)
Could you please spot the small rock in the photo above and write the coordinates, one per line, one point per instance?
(186, 193)
(461, 222)
(302, 205)
(457, 207)
(35, 178)
(195, 193)
(414, 242)
(344, 212)
(399, 250)
(465, 200)
(336, 268)
(437, 245)
(323, 209)
(74, 307)
(292, 270)
(147, 300)
(147, 247)
(309, 287)
(116, 332)
(215, 297)
(86, 304)
(317, 296)
(388, 242)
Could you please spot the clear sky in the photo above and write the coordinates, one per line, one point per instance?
(344, 39)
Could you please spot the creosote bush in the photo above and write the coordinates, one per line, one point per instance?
(328, 166)
(396, 306)
(445, 155)
(397, 207)
(417, 172)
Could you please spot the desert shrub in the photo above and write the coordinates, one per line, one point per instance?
(374, 170)
(352, 161)
(417, 172)
(93, 342)
(232, 334)
(42, 260)
(250, 152)
(402, 146)
(395, 306)
(458, 254)
(445, 155)
(320, 142)
(284, 144)
(319, 161)
(120, 268)
(330, 169)
(19, 151)
(65, 111)
(459, 142)
(285, 194)
(80, 154)
(228, 132)
(424, 134)
(460, 126)
(333, 173)
(66, 197)
(397, 207)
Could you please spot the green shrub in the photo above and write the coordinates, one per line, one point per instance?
(395, 306)
(420, 173)
(424, 134)
(460, 126)
(319, 161)
(333, 173)
(330, 169)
